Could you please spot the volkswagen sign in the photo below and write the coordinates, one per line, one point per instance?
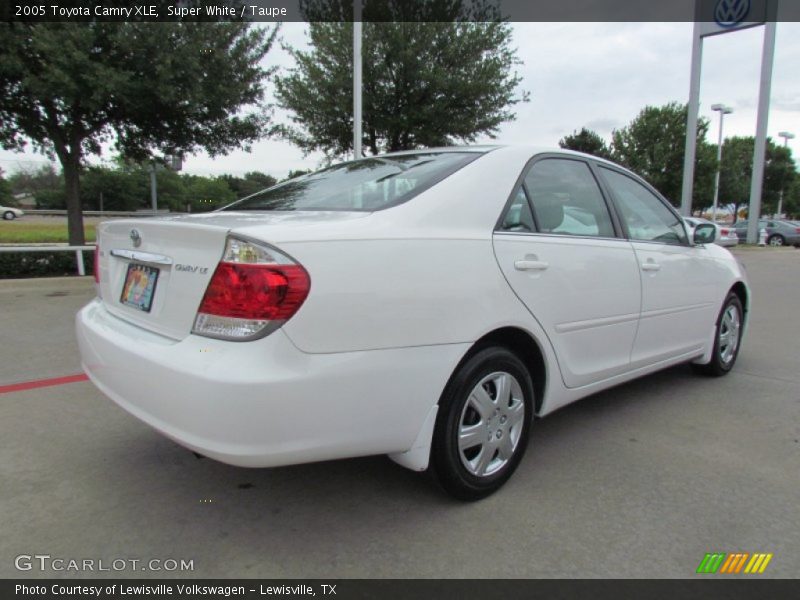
(729, 13)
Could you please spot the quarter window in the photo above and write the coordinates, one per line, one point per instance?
(646, 216)
(567, 200)
(519, 217)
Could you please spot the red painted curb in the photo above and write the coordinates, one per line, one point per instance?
(40, 383)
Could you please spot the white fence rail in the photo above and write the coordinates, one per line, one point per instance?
(78, 250)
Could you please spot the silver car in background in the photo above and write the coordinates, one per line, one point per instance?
(779, 232)
(726, 236)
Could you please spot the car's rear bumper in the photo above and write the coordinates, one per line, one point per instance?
(264, 403)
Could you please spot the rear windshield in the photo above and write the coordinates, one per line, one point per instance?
(368, 184)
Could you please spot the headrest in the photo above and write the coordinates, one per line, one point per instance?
(549, 211)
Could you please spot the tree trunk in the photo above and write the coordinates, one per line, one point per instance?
(74, 210)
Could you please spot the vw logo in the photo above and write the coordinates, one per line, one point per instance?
(136, 238)
(729, 13)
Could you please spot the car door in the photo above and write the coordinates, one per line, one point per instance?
(679, 280)
(560, 249)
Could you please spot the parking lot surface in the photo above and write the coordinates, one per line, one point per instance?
(638, 481)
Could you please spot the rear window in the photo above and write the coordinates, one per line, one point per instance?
(368, 184)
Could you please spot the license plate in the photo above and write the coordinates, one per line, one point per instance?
(140, 287)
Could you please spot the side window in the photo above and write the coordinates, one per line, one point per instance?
(567, 199)
(519, 217)
(647, 218)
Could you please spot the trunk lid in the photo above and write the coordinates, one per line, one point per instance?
(155, 271)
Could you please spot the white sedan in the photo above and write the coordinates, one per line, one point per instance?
(424, 305)
(9, 213)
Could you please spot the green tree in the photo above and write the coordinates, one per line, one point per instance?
(6, 197)
(121, 189)
(33, 181)
(586, 141)
(252, 182)
(426, 83)
(67, 88)
(736, 175)
(206, 193)
(653, 146)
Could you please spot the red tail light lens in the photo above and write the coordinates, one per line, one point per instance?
(253, 291)
(797, 229)
(725, 231)
(264, 292)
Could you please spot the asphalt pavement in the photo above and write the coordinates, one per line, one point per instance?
(640, 481)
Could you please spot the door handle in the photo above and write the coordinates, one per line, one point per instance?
(531, 265)
(651, 265)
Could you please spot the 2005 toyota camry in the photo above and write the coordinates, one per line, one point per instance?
(424, 305)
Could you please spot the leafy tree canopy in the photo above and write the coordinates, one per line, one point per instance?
(424, 83)
(653, 145)
(586, 141)
(736, 175)
(6, 197)
(67, 88)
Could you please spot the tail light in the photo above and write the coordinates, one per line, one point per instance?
(797, 229)
(725, 232)
(97, 263)
(254, 290)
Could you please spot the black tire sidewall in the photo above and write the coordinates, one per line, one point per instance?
(716, 361)
(776, 237)
(445, 459)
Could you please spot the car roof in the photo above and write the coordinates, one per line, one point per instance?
(524, 149)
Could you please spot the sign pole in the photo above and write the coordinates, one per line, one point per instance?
(691, 123)
(760, 150)
(357, 109)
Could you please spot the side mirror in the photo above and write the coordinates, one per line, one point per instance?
(705, 233)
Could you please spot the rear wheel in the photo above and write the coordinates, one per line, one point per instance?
(727, 340)
(482, 429)
(9, 216)
(776, 240)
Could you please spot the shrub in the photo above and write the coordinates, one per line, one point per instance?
(14, 265)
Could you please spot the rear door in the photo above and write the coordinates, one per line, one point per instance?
(679, 280)
(559, 247)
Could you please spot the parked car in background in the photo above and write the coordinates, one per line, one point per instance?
(9, 213)
(726, 236)
(779, 232)
(423, 304)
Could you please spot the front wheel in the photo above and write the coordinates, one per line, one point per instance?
(9, 216)
(727, 339)
(482, 428)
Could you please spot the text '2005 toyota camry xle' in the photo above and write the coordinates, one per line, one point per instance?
(424, 305)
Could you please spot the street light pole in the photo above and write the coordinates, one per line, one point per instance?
(723, 110)
(786, 137)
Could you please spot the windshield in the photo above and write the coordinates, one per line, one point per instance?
(368, 184)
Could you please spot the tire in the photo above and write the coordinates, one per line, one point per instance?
(724, 357)
(9, 216)
(490, 395)
(776, 240)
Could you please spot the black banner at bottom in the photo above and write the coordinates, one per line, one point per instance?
(346, 589)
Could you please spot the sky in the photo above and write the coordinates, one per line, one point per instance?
(595, 75)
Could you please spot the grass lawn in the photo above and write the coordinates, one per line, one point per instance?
(36, 233)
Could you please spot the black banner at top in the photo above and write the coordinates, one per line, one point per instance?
(721, 11)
